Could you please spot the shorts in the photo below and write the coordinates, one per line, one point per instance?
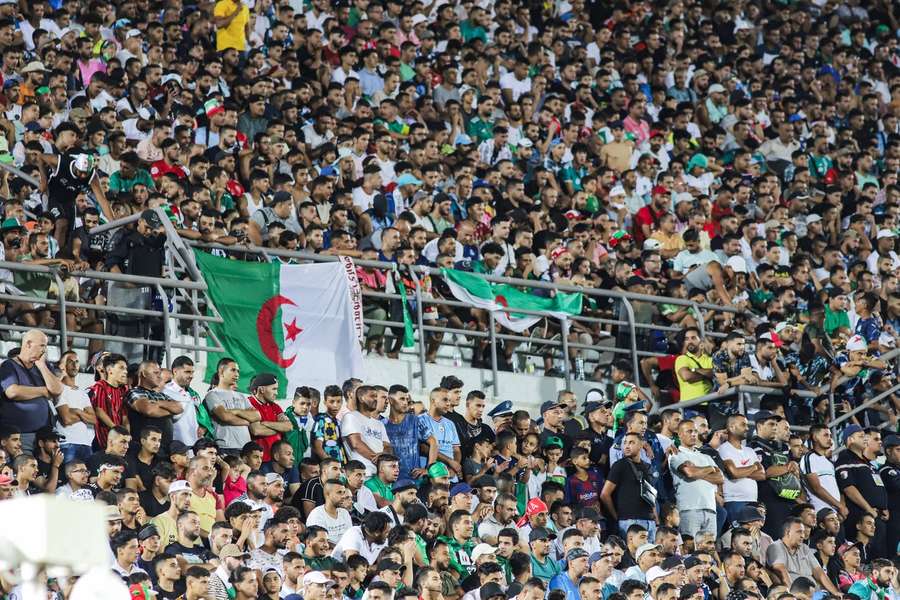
(62, 210)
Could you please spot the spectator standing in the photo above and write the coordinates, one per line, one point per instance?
(148, 406)
(76, 418)
(406, 433)
(818, 472)
(622, 493)
(694, 367)
(781, 488)
(193, 422)
(28, 388)
(272, 423)
(742, 468)
(364, 435)
(859, 482)
(230, 409)
(107, 397)
(443, 430)
(696, 478)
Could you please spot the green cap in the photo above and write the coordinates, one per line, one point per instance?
(553, 442)
(623, 389)
(697, 160)
(11, 223)
(438, 470)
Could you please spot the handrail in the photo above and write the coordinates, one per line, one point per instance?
(301, 255)
(107, 276)
(20, 174)
(864, 406)
(731, 391)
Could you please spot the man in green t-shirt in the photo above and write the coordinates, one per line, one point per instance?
(388, 470)
(542, 564)
(460, 542)
(836, 317)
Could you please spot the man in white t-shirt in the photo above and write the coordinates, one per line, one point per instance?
(184, 426)
(818, 472)
(367, 540)
(330, 516)
(696, 479)
(364, 435)
(742, 468)
(76, 416)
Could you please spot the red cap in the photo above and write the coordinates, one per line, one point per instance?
(656, 133)
(535, 506)
(659, 190)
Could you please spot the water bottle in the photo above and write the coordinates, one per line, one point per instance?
(579, 368)
(457, 357)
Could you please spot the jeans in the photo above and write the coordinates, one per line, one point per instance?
(75, 451)
(27, 443)
(650, 526)
(698, 521)
(734, 510)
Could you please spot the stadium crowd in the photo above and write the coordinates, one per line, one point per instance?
(741, 153)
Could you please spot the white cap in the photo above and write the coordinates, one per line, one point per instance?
(813, 218)
(273, 478)
(856, 343)
(656, 573)
(886, 233)
(418, 18)
(482, 549)
(179, 486)
(525, 143)
(887, 340)
(716, 88)
(737, 264)
(133, 33)
(651, 244)
(316, 577)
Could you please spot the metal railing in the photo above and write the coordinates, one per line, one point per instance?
(559, 349)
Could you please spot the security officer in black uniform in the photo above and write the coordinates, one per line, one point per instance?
(861, 485)
(890, 476)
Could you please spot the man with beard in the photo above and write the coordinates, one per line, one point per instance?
(693, 368)
(731, 365)
(781, 487)
(876, 585)
(365, 437)
(819, 473)
(70, 175)
(332, 516)
(742, 468)
(179, 501)
(764, 363)
(405, 495)
(267, 556)
(188, 546)
(367, 539)
(405, 434)
(890, 475)
(858, 481)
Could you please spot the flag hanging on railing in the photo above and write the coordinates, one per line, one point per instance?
(300, 322)
(502, 299)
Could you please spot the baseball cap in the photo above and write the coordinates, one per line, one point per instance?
(646, 548)
(656, 573)
(750, 514)
(482, 549)
(716, 88)
(577, 553)
(113, 514)
(179, 486)
(152, 219)
(813, 218)
(438, 469)
(856, 343)
(850, 430)
(689, 590)
(540, 533)
(316, 577)
(737, 264)
(553, 442)
(231, 551)
(460, 488)
(390, 565)
(147, 532)
(402, 485)
(176, 447)
(765, 415)
(691, 561)
(891, 441)
(262, 380)
(273, 478)
(549, 405)
(651, 244)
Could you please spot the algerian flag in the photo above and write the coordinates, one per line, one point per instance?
(301, 322)
(498, 298)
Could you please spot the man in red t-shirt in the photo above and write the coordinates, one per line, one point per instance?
(272, 420)
(646, 220)
(169, 162)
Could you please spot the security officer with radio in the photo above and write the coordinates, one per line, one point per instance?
(890, 476)
(861, 485)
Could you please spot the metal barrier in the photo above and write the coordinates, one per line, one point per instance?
(563, 344)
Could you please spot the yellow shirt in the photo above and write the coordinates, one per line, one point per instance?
(689, 391)
(168, 532)
(233, 35)
(205, 508)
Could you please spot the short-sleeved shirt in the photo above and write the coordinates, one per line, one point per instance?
(139, 420)
(268, 411)
(27, 415)
(379, 487)
(743, 489)
(627, 495)
(372, 433)
(692, 494)
(444, 431)
(336, 528)
(328, 430)
(405, 437)
(814, 463)
(689, 391)
(232, 436)
(353, 539)
(231, 36)
(800, 563)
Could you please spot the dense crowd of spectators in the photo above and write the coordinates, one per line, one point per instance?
(743, 153)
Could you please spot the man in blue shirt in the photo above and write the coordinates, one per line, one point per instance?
(576, 567)
(443, 430)
(406, 432)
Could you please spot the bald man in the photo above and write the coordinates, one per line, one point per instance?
(149, 406)
(28, 388)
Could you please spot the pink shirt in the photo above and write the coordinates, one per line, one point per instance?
(234, 488)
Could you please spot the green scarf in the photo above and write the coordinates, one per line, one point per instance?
(297, 437)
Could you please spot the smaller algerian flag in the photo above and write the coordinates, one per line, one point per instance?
(502, 299)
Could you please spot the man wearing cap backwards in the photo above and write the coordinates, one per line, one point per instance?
(890, 476)
(576, 568)
(405, 495)
(859, 483)
(179, 501)
(272, 420)
(647, 556)
(70, 175)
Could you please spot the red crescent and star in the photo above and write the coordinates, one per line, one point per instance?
(264, 319)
